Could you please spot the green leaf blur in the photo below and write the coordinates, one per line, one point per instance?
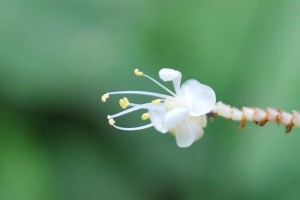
(58, 57)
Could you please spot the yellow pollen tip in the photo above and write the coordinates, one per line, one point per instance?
(156, 101)
(137, 72)
(124, 102)
(111, 122)
(104, 97)
(145, 116)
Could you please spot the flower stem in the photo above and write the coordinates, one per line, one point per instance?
(257, 115)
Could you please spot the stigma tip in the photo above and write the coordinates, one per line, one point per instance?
(104, 97)
(145, 116)
(156, 101)
(137, 72)
(111, 121)
(124, 102)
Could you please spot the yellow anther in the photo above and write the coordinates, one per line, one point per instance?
(145, 116)
(111, 121)
(124, 102)
(104, 97)
(137, 72)
(156, 101)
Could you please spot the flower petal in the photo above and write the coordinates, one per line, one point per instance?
(199, 134)
(198, 123)
(167, 74)
(199, 98)
(157, 118)
(175, 116)
(185, 134)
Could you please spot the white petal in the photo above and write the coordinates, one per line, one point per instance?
(198, 123)
(185, 134)
(175, 116)
(199, 98)
(157, 118)
(199, 134)
(167, 74)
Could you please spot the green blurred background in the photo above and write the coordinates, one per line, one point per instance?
(58, 57)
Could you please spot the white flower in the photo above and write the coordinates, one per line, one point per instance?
(182, 113)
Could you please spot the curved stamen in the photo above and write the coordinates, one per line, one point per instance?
(159, 84)
(138, 107)
(141, 93)
(133, 128)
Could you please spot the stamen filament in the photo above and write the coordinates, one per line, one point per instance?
(142, 106)
(133, 104)
(159, 84)
(134, 128)
(141, 93)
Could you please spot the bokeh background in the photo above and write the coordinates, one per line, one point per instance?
(58, 57)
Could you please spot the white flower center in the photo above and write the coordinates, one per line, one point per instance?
(173, 103)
